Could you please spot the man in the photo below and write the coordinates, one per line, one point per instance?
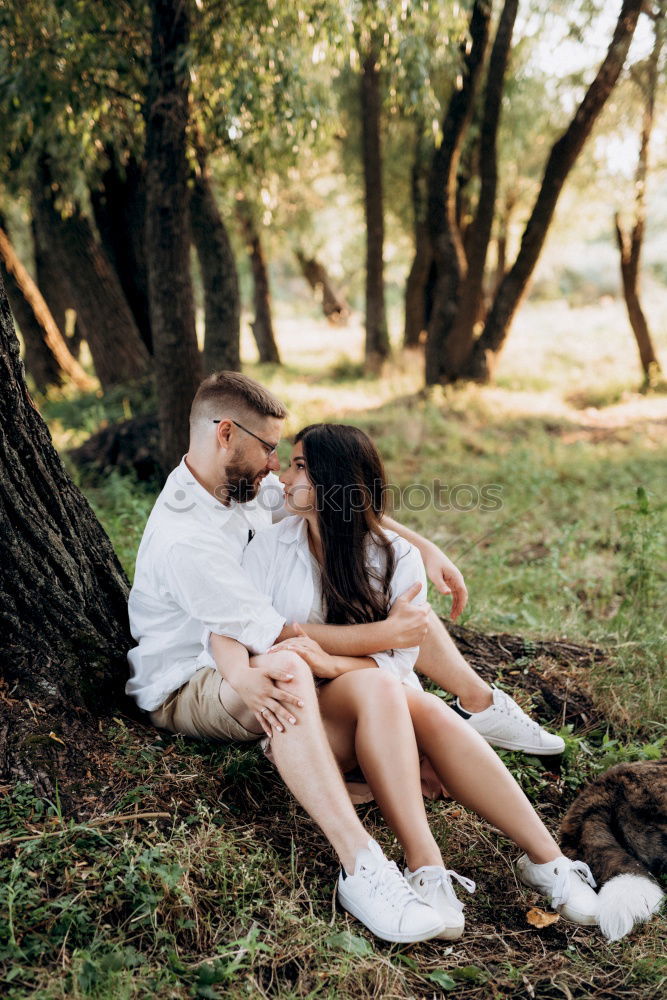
(189, 585)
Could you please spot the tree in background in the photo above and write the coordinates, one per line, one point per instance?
(48, 357)
(450, 357)
(646, 76)
(177, 363)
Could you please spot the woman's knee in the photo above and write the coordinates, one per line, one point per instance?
(379, 686)
(429, 710)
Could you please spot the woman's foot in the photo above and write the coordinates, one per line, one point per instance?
(569, 885)
(434, 884)
(377, 894)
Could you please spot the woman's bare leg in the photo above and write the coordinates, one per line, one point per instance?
(476, 777)
(367, 720)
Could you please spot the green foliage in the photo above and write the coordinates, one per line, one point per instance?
(643, 543)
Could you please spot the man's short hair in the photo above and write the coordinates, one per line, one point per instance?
(232, 394)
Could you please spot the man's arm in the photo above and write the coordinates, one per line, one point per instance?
(441, 571)
(404, 627)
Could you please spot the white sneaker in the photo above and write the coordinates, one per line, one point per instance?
(434, 884)
(568, 885)
(505, 725)
(378, 895)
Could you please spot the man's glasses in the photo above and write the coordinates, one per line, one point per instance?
(271, 449)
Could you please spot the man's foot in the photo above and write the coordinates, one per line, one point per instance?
(567, 884)
(434, 884)
(503, 724)
(378, 895)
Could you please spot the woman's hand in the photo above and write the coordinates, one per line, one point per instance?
(258, 686)
(322, 664)
(446, 578)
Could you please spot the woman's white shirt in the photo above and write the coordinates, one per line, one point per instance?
(278, 562)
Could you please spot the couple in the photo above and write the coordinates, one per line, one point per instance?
(306, 633)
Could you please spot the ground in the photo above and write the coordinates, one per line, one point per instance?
(173, 869)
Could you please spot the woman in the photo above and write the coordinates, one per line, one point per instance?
(332, 562)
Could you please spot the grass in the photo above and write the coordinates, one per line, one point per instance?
(555, 480)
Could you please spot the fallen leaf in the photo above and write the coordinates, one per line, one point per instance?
(540, 918)
(53, 736)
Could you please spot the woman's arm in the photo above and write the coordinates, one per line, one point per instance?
(441, 571)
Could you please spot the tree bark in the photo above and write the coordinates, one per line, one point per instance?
(563, 155)
(377, 335)
(460, 343)
(48, 358)
(630, 244)
(334, 307)
(448, 250)
(63, 595)
(177, 361)
(262, 325)
(415, 288)
(115, 345)
(222, 302)
(119, 206)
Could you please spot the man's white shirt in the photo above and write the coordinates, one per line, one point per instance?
(189, 582)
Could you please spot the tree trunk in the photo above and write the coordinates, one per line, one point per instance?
(448, 250)
(630, 243)
(48, 358)
(63, 595)
(334, 306)
(377, 335)
(262, 325)
(119, 206)
(115, 345)
(177, 361)
(415, 288)
(222, 302)
(563, 155)
(460, 343)
(54, 285)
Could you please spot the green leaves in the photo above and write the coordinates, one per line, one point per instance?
(353, 944)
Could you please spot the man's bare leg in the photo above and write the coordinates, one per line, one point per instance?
(307, 766)
(440, 660)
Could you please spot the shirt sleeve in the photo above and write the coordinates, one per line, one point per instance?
(409, 569)
(214, 589)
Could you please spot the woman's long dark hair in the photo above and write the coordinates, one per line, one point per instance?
(346, 470)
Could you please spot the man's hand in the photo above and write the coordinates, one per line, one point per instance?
(322, 664)
(446, 578)
(408, 622)
(259, 690)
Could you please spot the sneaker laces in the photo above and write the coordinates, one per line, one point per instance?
(508, 705)
(443, 877)
(387, 881)
(562, 886)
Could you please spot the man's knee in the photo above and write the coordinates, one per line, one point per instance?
(302, 682)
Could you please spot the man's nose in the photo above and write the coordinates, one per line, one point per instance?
(274, 463)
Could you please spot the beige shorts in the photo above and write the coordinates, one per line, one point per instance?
(207, 708)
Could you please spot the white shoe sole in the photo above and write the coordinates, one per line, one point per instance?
(521, 747)
(394, 937)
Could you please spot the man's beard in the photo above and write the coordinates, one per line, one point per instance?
(242, 484)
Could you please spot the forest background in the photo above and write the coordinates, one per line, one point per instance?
(444, 222)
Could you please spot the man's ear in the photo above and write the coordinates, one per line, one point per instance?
(223, 432)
